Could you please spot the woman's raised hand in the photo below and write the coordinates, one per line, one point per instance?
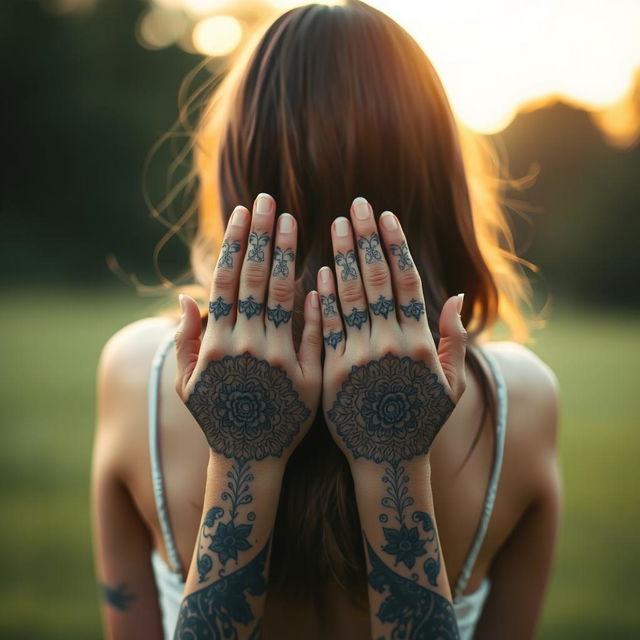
(387, 391)
(253, 396)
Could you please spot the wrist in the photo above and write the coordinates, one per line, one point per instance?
(365, 471)
(267, 468)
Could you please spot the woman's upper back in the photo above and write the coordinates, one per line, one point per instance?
(459, 489)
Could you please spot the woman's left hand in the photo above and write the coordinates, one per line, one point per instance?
(253, 396)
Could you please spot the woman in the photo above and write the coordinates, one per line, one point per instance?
(342, 517)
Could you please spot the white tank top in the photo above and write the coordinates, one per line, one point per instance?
(467, 607)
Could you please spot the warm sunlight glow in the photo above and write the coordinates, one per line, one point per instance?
(494, 57)
(217, 35)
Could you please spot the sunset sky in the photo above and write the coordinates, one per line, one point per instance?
(494, 56)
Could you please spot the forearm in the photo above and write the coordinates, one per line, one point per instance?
(227, 582)
(409, 592)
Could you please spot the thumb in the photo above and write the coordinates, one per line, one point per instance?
(453, 344)
(187, 341)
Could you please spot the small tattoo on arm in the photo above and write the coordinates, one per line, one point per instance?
(226, 255)
(250, 307)
(117, 597)
(278, 315)
(280, 259)
(219, 308)
(356, 318)
(333, 339)
(404, 258)
(257, 244)
(370, 246)
(383, 307)
(348, 262)
(413, 309)
(328, 305)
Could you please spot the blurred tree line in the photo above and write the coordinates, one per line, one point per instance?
(83, 103)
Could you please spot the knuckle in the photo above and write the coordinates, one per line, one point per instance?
(377, 275)
(223, 279)
(351, 292)
(281, 290)
(409, 280)
(254, 274)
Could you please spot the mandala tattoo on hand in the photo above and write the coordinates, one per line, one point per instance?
(390, 409)
(226, 255)
(247, 408)
(250, 307)
(404, 257)
(220, 308)
(383, 307)
(413, 309)
(280, 259)
(257, 244)
(356, 318)
(278, 315)
(329, 305)
(348, 263)
(370, 246)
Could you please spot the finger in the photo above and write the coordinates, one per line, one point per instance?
(407, 285)
(224, 284)
(311, 341)
(187, 341)
(353, 300)
(453, 345)
(255, 267)
(375, 271)
(282, 284)
(332, 327)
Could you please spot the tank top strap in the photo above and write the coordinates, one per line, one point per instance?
(490, 496)
(154, 450)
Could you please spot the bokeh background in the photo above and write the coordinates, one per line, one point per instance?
(88, 86)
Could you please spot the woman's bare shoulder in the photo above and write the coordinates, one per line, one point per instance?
(125, 364)
(532, 389)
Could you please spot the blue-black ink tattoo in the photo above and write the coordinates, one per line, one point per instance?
(383, 307)
(278, 315)
(280, 259)
(329, 305)
(214, 610)
(413, 309)
(390, 409)
(247, 408)
(404, 258)
(257, 244)
(219, 308)
(348, 263)
(117, 597)
(250, 307)
(333, 338)
(415, 611)
(356, 318)
(226, 255)
(370, 246)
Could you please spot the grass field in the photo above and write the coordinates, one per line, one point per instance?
(51, 342)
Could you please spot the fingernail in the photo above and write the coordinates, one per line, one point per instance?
(389, 221)
(315, 302)
(239, 217)
(181, 300)
(325, 275)
(285, 223)
(460, 301)
(361, 208)
(263, 204)
(342, 227)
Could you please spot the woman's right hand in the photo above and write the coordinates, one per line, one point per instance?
(387, 391)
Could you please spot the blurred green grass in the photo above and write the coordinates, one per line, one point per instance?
(51, 343)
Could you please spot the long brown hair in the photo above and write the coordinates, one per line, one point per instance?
(327, 103)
